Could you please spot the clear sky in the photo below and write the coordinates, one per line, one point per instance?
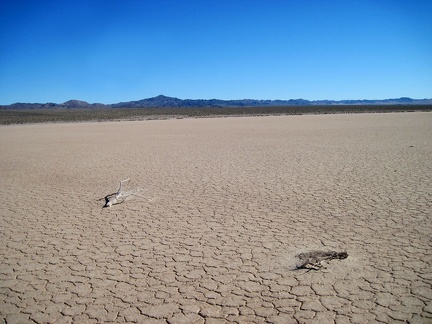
(121, 50)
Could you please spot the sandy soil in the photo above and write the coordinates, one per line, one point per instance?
(233, 201)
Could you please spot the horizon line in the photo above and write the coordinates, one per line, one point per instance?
(161, 95)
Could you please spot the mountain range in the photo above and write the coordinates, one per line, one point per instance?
(162, 101)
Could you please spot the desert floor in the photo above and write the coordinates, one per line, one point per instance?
(232, 201)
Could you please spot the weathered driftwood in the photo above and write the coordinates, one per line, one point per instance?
(121, 196)
(313, 260)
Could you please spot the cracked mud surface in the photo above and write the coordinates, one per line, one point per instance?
(235, 199)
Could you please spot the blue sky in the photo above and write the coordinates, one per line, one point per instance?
(121, 50)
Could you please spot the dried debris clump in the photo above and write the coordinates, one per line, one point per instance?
(313, 260)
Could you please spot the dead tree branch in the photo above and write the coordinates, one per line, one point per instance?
(121, 196)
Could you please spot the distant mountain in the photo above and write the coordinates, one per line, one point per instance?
(80, 104)
(51, 105)
(164, 101)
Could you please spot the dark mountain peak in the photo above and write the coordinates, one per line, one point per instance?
(75, 104)
(162, 97)
(404, 99)
(158, 101)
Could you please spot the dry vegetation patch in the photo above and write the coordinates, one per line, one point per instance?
(24, 116)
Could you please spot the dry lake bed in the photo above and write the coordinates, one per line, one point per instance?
(225, 205)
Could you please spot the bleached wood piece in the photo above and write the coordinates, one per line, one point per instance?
(121, 196)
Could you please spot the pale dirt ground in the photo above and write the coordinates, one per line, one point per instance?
(234, 199)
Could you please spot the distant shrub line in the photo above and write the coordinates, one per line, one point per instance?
(8, 116)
